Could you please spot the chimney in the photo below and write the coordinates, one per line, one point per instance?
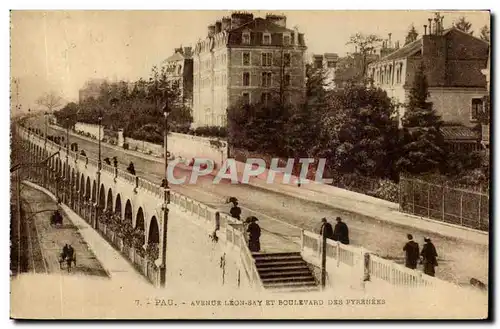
(279, 20)
(211, 30)
(238, 19)
(389, 44)
(425, 29)
(226, 23)
(436, 26)
(430, 25)
(218, 27)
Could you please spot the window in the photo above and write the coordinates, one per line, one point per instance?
(287, 59)
(246, 79)
(265, 98)
(266, 39)
(286, 39)
(246, 59)
(267, 59)
(266, 79)
(245, 38)
(286, 80)
(246, 98)
(476, 109)
(318, 63)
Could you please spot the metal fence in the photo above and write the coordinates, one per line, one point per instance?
(447, 204)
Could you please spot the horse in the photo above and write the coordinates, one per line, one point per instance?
(56, 219)
(68, 259)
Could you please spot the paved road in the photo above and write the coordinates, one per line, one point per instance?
(46, 242)
(459, 260)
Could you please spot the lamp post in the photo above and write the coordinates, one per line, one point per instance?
(166, 201)
(99, 164)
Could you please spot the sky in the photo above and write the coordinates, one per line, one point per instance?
(60, 50)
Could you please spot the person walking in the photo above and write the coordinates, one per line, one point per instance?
(326, 229)
(412, 253)
(429, 257)
(341, 232)
(235, 211)
(253, 234)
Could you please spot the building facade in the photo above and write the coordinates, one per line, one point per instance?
(452, 61)
(179, 68)
(328, 63)
(246, 59)
(91, 89)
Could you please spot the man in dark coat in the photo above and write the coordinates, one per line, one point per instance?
(253, 235)
(326, 229)
(412, 253)
(341, 232)
(235, 211)
(429, 257)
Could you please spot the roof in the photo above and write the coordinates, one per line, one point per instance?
(262, 25)
(458, 133)
(174, 57)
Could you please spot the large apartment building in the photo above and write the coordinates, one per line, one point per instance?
(246, 59)
(179, 68)
(453, 61)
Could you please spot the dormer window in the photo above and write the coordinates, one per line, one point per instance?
(266, 38)
(286, 39)
(246, 38)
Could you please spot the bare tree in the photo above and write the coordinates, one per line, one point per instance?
(365, 45)
(50, 101)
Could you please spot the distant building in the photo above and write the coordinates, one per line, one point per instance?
(246, 59)
(452, 60)
(485, 129)
(91, 89)
(328, 63)
(179, 67)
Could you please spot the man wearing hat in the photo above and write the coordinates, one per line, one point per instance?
(341, 232)
(429, 257)
(253, 234)
(412, 254)
(326, 229)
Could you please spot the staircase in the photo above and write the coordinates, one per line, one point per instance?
(286, 272)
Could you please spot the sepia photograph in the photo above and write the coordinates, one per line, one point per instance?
(250, 164)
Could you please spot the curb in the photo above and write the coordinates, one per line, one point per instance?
(66, 209)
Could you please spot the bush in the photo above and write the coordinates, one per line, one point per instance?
(125, 146)
(388, 191)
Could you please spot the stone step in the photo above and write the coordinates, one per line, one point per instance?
(277, 258)
(276, 254)
(290, 284)
(281, 273)
(295, 289)
(281, 263)
(270, 268)
(295, 278)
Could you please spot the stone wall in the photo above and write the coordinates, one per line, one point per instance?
(185, 146)
(89, 128)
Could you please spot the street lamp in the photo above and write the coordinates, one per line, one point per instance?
(99, 164)
(166, 201)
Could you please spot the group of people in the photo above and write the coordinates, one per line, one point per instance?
(428, 255)
(252, 228)
(340, 233)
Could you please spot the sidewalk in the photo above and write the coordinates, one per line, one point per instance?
(378, 209)
(113, 262)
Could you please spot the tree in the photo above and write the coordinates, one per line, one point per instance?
(463, 25)
(422, 148)
(50, 101)
(485, 33)
(365, 45)
(412, 35)
(359, 132)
